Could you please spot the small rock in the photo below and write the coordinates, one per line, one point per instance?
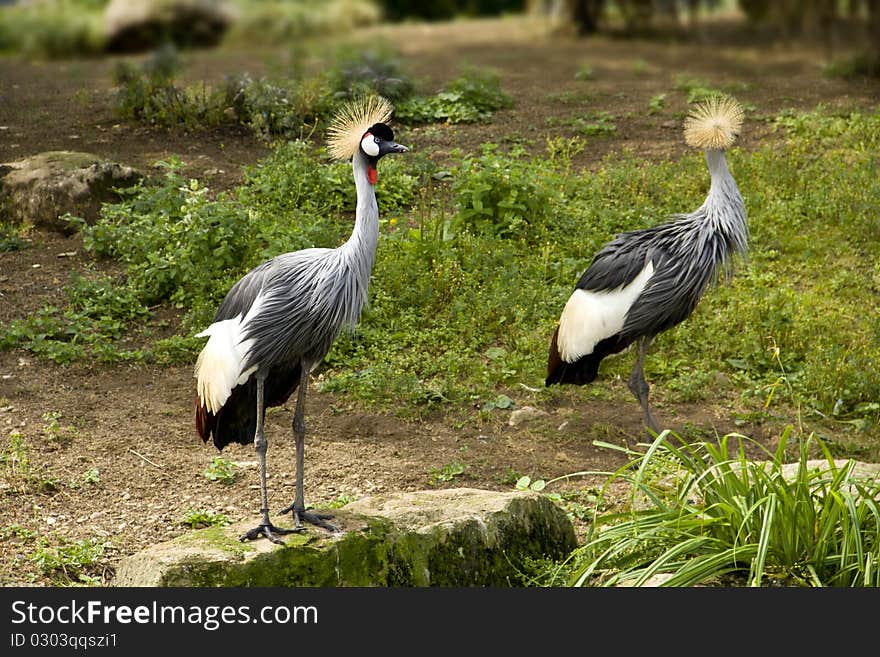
(524, 414)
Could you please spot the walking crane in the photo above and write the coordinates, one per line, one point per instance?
(280, 319)
(646, 281)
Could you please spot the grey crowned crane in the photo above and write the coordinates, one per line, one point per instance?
(646, 281)
(280, 319)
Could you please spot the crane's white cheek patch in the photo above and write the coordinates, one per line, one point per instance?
(591, 316)
(369, 145)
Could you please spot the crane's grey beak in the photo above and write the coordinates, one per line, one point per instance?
(391, 147)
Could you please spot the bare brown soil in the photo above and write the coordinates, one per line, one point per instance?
(133, 423)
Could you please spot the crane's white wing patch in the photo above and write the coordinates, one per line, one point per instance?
(591, 316)
(219, 365)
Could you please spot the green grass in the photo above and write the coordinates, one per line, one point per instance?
(706, 514)
(475, 263)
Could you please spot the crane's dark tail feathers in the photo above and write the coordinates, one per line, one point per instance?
(585, 369)
(236, 421)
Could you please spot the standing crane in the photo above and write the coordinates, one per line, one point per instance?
(646, 281)
(280, 319)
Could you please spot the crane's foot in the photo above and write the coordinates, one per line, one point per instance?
(270, 531)
(300, 515)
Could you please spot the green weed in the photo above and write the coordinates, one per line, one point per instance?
(340, 501)
(53, 429)
(221, 470)
(199, 519)
(471, 97)
(446, 473)
(656, 103)
(357, 71)
(70, 563)
(11, 238)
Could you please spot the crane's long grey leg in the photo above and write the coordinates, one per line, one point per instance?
(266, 528)
(639, 387)
(298, 508)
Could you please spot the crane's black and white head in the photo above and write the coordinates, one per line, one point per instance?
(361, 128)
(376, 143)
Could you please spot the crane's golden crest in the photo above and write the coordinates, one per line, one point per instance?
(714, 123)
(352, 121)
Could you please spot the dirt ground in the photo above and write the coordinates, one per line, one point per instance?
(133, 424)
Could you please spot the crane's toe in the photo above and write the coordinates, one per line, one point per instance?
(270, 531)
(300, 515)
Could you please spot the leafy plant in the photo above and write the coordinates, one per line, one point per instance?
(199, 519)
(92, 477)
(268, 107)
(471, 97)
(446, 473)
(70, 562)
(341, 500)
(11, 238)
(52, 428)
(221, 470)
(357, 71)
(17, 532)
(501, 401)
(501, 195)
(657, 103)
(527, 483)
(15, 460)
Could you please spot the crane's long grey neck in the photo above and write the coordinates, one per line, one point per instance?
(724, 208)
(361, 246)
(365, 235)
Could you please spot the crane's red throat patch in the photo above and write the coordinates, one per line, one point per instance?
(372, 175)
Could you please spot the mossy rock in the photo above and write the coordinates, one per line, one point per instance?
(38, 190)
(453, 537)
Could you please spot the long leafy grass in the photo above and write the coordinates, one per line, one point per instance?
(706, 514)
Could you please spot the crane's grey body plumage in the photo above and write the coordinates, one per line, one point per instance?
(310, 295)
(672, 263)
(306, 299)
(688, 255)
(281, 318)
